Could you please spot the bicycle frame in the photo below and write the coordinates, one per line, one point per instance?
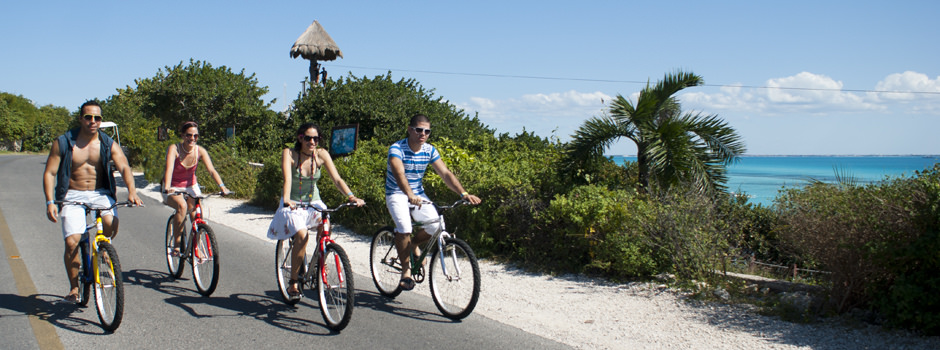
(436, 238)
(92, 256)
(195, 218)
(324, 240)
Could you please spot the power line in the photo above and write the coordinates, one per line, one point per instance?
(636, 81)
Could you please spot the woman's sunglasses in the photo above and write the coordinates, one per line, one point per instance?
(89, 117)
(315, 139)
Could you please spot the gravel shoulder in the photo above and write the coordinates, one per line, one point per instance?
(589, 313)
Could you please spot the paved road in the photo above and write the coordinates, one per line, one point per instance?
(244, 312)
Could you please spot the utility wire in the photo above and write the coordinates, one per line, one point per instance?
(636, 81)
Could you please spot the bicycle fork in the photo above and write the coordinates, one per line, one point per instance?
(197, 220)
(321, 259)
(444, 255)
(99, 237)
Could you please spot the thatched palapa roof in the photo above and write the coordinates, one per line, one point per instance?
(315, 45)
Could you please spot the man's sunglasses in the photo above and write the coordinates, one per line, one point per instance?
(89, 117)
(315, 139)
(422, 130)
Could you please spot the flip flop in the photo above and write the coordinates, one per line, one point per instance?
(71, 299)
(407, 283)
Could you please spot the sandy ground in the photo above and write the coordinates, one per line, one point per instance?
(594, 314)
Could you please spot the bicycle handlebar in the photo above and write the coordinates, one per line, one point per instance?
(322, 210)
(445, 207)
(89, 207)
(220, 193)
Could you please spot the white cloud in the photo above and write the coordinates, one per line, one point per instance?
(544, 113)
(811, 93)
(907, 82)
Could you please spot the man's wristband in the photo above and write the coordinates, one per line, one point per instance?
(350, 194)
(221, 185)
(463, 194)
(49, 202)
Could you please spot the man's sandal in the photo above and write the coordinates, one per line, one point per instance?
(295, 294)
(407, 283)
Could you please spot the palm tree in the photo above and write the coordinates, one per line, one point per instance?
(672, 148)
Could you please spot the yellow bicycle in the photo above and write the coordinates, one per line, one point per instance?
(100, 267)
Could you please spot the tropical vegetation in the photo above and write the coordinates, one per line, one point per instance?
(553, 206)
(672, 148)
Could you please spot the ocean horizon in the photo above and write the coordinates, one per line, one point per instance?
(761, 177)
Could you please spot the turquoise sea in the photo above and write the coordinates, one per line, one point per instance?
(760, 177)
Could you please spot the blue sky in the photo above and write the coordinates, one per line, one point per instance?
(545, 66)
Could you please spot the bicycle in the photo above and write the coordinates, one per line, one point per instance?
(203, 256)
(329, 271)
(100, 268)
(454, 271)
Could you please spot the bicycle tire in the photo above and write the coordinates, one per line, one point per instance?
(109, 292)
(84, 286)
(452, 295)
(205, 260)
(174, 264)
(282, 266)
(338, 295)
(384, 263)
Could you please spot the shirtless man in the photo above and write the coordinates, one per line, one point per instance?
(79, 169)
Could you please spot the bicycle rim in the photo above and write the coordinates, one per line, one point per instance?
(337, 294)
(173, 263)
(455, 279)
(205, 260)
(384, 263)
(109, 291)
(282, 268)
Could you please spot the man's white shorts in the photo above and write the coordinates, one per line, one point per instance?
(73, 216)
(402, 211)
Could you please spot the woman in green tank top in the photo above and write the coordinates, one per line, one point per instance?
(302, 167)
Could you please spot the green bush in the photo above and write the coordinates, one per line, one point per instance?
(685, 229)
(598, 229)
(878, 240)
(233, 168)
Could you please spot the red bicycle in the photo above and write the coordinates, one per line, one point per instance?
(329, 272)
(197, 244)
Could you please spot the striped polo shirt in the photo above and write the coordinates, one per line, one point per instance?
(416, 163)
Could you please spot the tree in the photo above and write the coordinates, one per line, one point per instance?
(16, 116)
(382, 108)
(215, 98)
(672, 148)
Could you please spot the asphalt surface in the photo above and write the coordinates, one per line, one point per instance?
(245, 311)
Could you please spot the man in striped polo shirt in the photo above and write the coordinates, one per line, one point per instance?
(408, 160)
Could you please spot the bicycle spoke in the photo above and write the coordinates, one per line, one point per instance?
(455, 279)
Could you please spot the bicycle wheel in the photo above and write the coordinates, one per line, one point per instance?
(173, 263)
(282, 268)
(109, 291)
(337, 293)
(383, 259)
(84, 286)
(455, 280)
(205, 260)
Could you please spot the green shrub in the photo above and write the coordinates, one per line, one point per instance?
(596, 229)
(686, 231)
(233, 168)
(879, 241)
